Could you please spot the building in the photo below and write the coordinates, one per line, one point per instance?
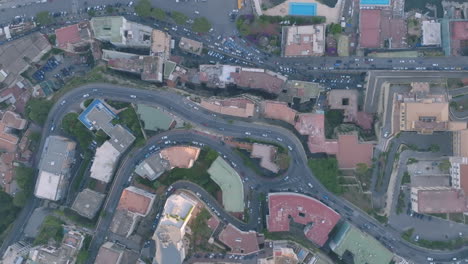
(317, 218)
(105, 160)
(155, 119)
(170, 247)
(191, 46)
(8, 140)
(280, 111)
(240, 107)
(302, 91)
(88, 203)
(431, 33)
(459, 37)
(240, 242)
(17, 55)
(99, 116)
(160, 44)
(299, 41)
(348, 100)
(120, 32)
(352, 152)
(136, 200)
(134, 203)
(75, 38)
(152, 167)
(216, 76)
(460, 143)
(149, 68)
(7, 183)
(369, 28)
(64, 254)
(267, 155)
(230, 183)
(355, 246)
(109, 253)
(54, 168)
(374, 3)
(434, 200)
(16, 253)
(181, 156)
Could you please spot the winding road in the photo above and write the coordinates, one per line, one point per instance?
(298, 172)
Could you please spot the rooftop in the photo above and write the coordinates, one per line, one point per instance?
(428, 114)
(240, 107)
(318, 218)
(13, 120)
(346, 100)
(191, 45)
(217, 76)
(238, 241)
(181, 156)
(160, 44)
(150, 68)
(369, 27)
(438, 200)
(230, 183)
(305, 91)
(88, 202)
(136, 201)
(177, 211)
(280, 111)
(69, 37)
(459, 30)
(304, 40)
(313, 125)
(363, 247)
(104, 163)
(57, 155)
(352, 152)
(152, 167)
(109, 253)
(121, 32)
(266, 154)
(49, 186)
(253, 78)
(431, 33)
(123, 222)
(154, 118)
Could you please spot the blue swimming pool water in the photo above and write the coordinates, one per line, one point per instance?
(375, 2)
(302, 9)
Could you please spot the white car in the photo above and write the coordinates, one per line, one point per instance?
(386, 134)
(85, 95)
(248, 133)
(133, 96)
(279, 139)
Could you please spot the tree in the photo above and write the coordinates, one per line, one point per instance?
(51, 228)
(72, 126)
(179, 17)
(44, 18)
(327, 172)
(445, 165)
(25, 178)
(109, 9)
(361, 168)
(158, 13)
(201, 25)
(38, 109)
(335, 28)
(8, 210)
(20, 198)
(143, 8)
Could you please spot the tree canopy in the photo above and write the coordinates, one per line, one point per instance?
(38, 109)
(51, 228)
(143, 8)
(44, 18)
(8, 210)
(72, 126)
(327, 172)
(201, 25)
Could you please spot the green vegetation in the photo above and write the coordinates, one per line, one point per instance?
(87, 102)
(333, 118)
(326, 171)
(38, 109)
(435, 244)
(381, 218)
(400, 203)
(201, 232)
(83, 254)
(25, 179)
(8, 211)
(179, 18)
(197, 174)
(143, 8)
(408, 234)
(52, 38)
(78, 179)
(406, 179)
(76, 218)
(101, 137)
(335, 29)
(364, 174)
(35, 138)
(158, 14)
(129, 118)
(201, 25)
(151, 184)
(109, 10)
(411, 161)
(434, 148)
(44, 18)
(445, 165)
(301, 240)
(249, 162)
(117, 104)
(73, 127)
(51, 228)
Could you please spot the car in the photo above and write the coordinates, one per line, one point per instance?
(52, 128)
(279, 139)
(196, 12)
(264, 135)
(133, 96)
(290, 148)
(416, 239)
(248, 133)
(63, 102)
(165, 137)
(430, 259)
(85, 95)
(386, 134)
(310, 185)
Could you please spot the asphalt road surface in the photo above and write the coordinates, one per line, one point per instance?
(299, 174)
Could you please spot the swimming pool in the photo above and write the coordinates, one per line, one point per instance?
(375, 2)
(302, 9)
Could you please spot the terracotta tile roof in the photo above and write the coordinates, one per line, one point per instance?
(441, 201)
(464, 178)
(460, 30)
(181, 156)
(280, 111)
(67, 35)
(240, 107)
(13, 120)
(136, 201)
(369, 26)
(238, 241)
(263, 80)
(352, 152)
(304, 210)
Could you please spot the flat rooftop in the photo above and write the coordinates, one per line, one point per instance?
(240, 107)
(88, 202)
(431, 33)
(105, 160)
(259, 79)
(230, 183)
(191, 45)
(369, 27)
(304, 40)
(181, 156)
(280, 111)
(442, 200)
(136, 200)
(318, 218)
(238, 241)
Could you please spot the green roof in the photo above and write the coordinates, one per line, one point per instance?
(364, 247)
(107, 28)
(230, 183)
(169, 67)
(153, 118)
